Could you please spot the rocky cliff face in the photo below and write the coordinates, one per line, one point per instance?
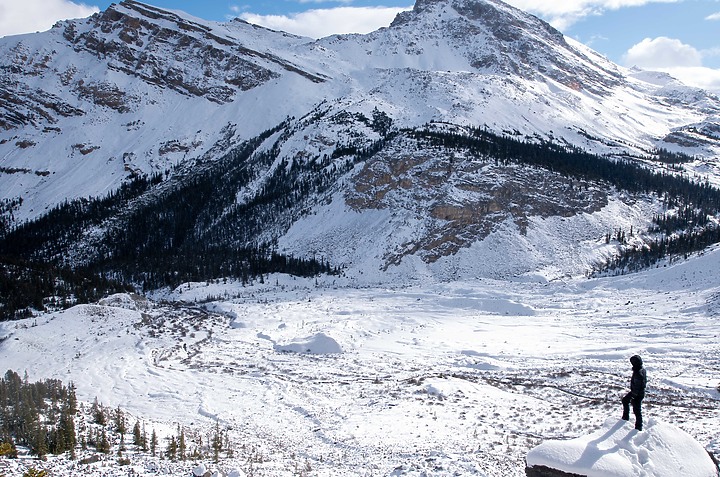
(463, 198)
(167, 50)
(542, 471)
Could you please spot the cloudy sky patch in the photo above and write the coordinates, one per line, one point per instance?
(662, 52)
(26, 16)
(318, 23)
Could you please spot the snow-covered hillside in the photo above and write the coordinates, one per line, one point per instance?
(447, 183)
(138, 90)
(458, 378)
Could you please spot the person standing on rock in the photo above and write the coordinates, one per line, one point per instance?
(637, 392)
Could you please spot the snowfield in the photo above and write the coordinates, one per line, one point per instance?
(458, 378)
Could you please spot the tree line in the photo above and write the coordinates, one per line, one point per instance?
(39, 416)
(162, 231)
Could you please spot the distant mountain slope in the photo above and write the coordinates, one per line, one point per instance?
(360, 150)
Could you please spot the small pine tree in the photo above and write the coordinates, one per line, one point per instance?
(137, 436)
(122, 447)
(103, 443)
(66, 430)
(228, 447)
(98, 413)
(217, 442)
(181, 442)
(33, 472)
(8, 449)
(153, 443)
(171, 451)
(40, 448)
(143, 439)
(72, 404)
(120, 422)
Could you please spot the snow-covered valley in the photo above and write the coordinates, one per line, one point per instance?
(460, 378)
(456, 190)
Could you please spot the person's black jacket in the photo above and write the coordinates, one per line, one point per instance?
(639, 378)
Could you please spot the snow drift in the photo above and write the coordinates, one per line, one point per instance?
(319, 343)
(618, 450)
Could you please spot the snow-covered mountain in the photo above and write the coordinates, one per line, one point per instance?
(136, 91)
(430, 186)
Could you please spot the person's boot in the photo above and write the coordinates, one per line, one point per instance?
(638, 426)
(625, 417)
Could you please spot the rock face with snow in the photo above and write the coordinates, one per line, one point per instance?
(496, 38)
(618, 450)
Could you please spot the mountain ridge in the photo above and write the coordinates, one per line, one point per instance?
(137, 92)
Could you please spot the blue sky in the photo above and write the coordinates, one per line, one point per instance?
(678, 36)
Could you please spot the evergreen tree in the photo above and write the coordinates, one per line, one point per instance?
(137, 435)
(171, 451)
(98, 413)
(33, 472)
(217, 441)
(103, 443)
(143, 439)
(120, 422)
(121, 447)
(66, 429)
(8, 449)
(72, 408)
(181, 442)
(40, 445)
(153, 443)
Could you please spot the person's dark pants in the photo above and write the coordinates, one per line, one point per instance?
(637, 409)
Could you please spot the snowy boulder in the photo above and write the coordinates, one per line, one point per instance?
(618, 450)
(199, 470)
(128, 301)
(319, 343)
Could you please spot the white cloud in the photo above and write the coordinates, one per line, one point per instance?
(672, 56)
(323, 22)
(562, 14)
(700, 76)
(28, 16)
(714, 16)
(662, 52)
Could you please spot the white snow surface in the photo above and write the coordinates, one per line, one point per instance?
(459, 367)
(618, 450)
(436, 378)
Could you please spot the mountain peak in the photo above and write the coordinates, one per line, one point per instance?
(496, 38)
